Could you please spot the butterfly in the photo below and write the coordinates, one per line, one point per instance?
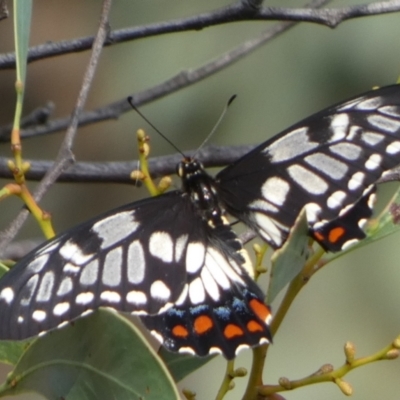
(174, 259)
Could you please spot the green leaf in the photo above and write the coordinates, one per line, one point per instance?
(181, 365)
(289, 260)
(99, 357)
(22, 27)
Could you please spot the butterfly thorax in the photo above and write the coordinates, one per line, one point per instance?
(201, 187)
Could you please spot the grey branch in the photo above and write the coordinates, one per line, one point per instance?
(242, 11)
(177, 82)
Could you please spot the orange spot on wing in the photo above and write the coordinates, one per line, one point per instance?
(180, 331)
(232, 330)
(319, 236)
(335, 234)
(254, 326)
(260, 309)
(203, 324)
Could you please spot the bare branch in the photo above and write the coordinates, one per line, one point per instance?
(177, 82)
(119, 171)
(65, 156)
(242, 11)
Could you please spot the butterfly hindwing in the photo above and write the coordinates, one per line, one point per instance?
(327, 163)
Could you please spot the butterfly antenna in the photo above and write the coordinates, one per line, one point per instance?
(130, 101)
(216, 125)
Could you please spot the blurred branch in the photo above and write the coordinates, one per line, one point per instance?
(241, 11)
(4, 13)
(65, 156)
(177, 82)
(119, 171)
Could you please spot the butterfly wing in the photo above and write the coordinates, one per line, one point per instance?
(129, 259)
(222, 310)
(328, 163)
(142, 258)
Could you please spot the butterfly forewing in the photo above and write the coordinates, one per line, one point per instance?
(326, 163)
(131, 259)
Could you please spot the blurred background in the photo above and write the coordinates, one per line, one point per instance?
(298, 73)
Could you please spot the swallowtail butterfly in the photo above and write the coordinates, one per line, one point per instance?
(175, 261)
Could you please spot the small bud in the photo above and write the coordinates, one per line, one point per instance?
(231, 385)
(11, 165)
(137, 175)
(140, 134)
(145, 149)
(257, 248)
(285, 383)
(350, 352)
(344, 387)
(396, 342)
(240, 372)
(189, 394)
(164, 184)
(26, 166)
(392, 354)
(326, 369)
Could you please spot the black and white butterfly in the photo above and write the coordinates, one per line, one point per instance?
(174, 259)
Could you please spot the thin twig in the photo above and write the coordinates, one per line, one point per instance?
(242, 11)
(65, 156)
(119, 171)
(177, 82)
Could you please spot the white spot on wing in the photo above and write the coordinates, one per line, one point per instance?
(312, 211)
(136, 263)
(329, 166)
(268, 227)
(136, 297)
(210, 284)
(392, 111)
(111, 275)
(90, 273)
(335, 200)
(7, 294)
(369, 104)
(115, 228)
(348, 151)
(84, 298)
(180, 245)
(161, 246)
(46, 287)
(384, 123)
(182, 297)
(291, 145)
(110, 296)
(71, 268)
(197, 294)
(372, 138)
(339, 125)
(30, 287)
(70, 251)
(61, 308)
(262, 205)
(65, 287)
(393, 148)
(38, 263)
(194, 257)
(159, 290)
(373, 162)
(356, 181)
(39, 315)
(309, 181)
(275, 190)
